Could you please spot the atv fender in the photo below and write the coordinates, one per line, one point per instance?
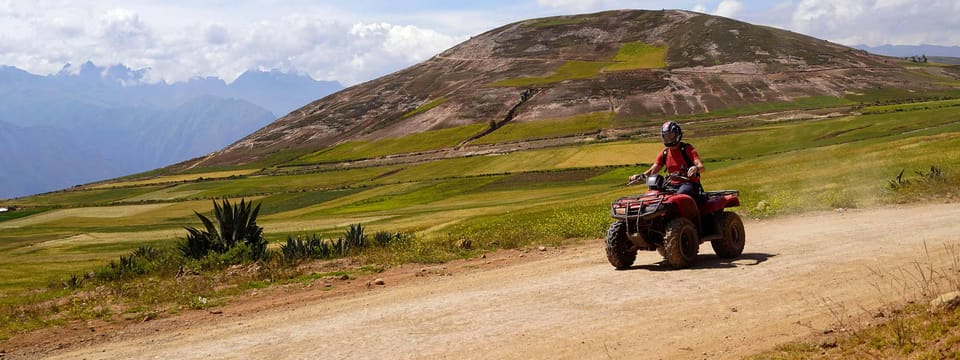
(718, 203)
(685, 206)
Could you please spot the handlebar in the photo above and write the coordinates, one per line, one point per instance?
(677, 176)
(668, 178)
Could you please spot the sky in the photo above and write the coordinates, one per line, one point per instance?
(359, 40)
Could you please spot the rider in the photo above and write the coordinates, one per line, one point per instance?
(679, 157)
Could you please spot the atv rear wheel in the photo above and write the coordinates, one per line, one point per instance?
(732, 236)
(681, 242)
(620, 251)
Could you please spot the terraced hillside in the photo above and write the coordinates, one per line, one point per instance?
(636, 66)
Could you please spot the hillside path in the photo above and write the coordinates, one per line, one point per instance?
(569, 303)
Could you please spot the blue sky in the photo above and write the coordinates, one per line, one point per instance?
(355, 41)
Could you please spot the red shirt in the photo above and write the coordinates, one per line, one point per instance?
(675, 161)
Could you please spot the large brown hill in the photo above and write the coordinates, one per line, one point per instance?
(705, 63)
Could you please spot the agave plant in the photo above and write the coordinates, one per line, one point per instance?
(355, 236)
(301, 249)
(235, 224)
(383, 238)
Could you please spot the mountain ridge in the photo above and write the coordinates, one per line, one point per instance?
(123, 126)
(709, 63)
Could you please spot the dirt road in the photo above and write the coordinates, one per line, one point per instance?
(570, 303)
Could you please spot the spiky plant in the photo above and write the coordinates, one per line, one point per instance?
(355, 236)
(382, 238)
(235, 224)
(74, 282)
(301, 249)
(339, 248)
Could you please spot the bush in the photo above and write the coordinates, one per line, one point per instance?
(238, 254)
(144, 260)
(932, 184)
(382, 238)
(296, 250)
(236, 224)
(355, 236)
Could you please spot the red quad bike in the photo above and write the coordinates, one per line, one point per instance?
(673, 224)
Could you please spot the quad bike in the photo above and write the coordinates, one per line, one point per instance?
(673, 224)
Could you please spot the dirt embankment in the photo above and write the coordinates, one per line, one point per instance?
(796, 274)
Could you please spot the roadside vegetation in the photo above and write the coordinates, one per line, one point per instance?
(118, 252)
(919, 318)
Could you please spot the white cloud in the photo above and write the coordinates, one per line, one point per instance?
(45, 39)
(217, 34)
(571, 5)
(354, 43)
(879, 22)
(124, 29)
(728, 8)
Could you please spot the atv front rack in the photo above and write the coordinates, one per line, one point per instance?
(635, 206)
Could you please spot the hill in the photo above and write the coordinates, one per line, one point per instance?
(634, 66)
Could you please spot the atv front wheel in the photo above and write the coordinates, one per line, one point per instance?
(620, 251)
(732, 236)
(681, 243)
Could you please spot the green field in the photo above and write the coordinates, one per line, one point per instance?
(425, 107)
(638, 55)
(630, 56)
(428, 140)
(549, 195)
(568, 71)
(547, 128)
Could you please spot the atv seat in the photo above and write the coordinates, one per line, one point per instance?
(718, 200)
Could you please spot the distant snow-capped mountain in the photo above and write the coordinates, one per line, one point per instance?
(93, 123)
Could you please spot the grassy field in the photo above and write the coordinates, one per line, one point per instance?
(568, 71)
(638, 55)
(429, 140)
(542, 196)
(180, 178)
(923, 105)
(547, 128)
(630, 56)
(425, 107)
(792, 166)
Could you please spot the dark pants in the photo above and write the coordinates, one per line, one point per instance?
(691, 189)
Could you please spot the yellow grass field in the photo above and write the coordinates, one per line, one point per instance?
(178, 178)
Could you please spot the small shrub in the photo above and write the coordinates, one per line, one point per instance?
(127, 267)
(897, 183)
(298, 249)
(355, 236)
(339, 248)
(148, 253)
(238, 254)
(235, 224)
(74, 282)
(382, 238)
(932, 183)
